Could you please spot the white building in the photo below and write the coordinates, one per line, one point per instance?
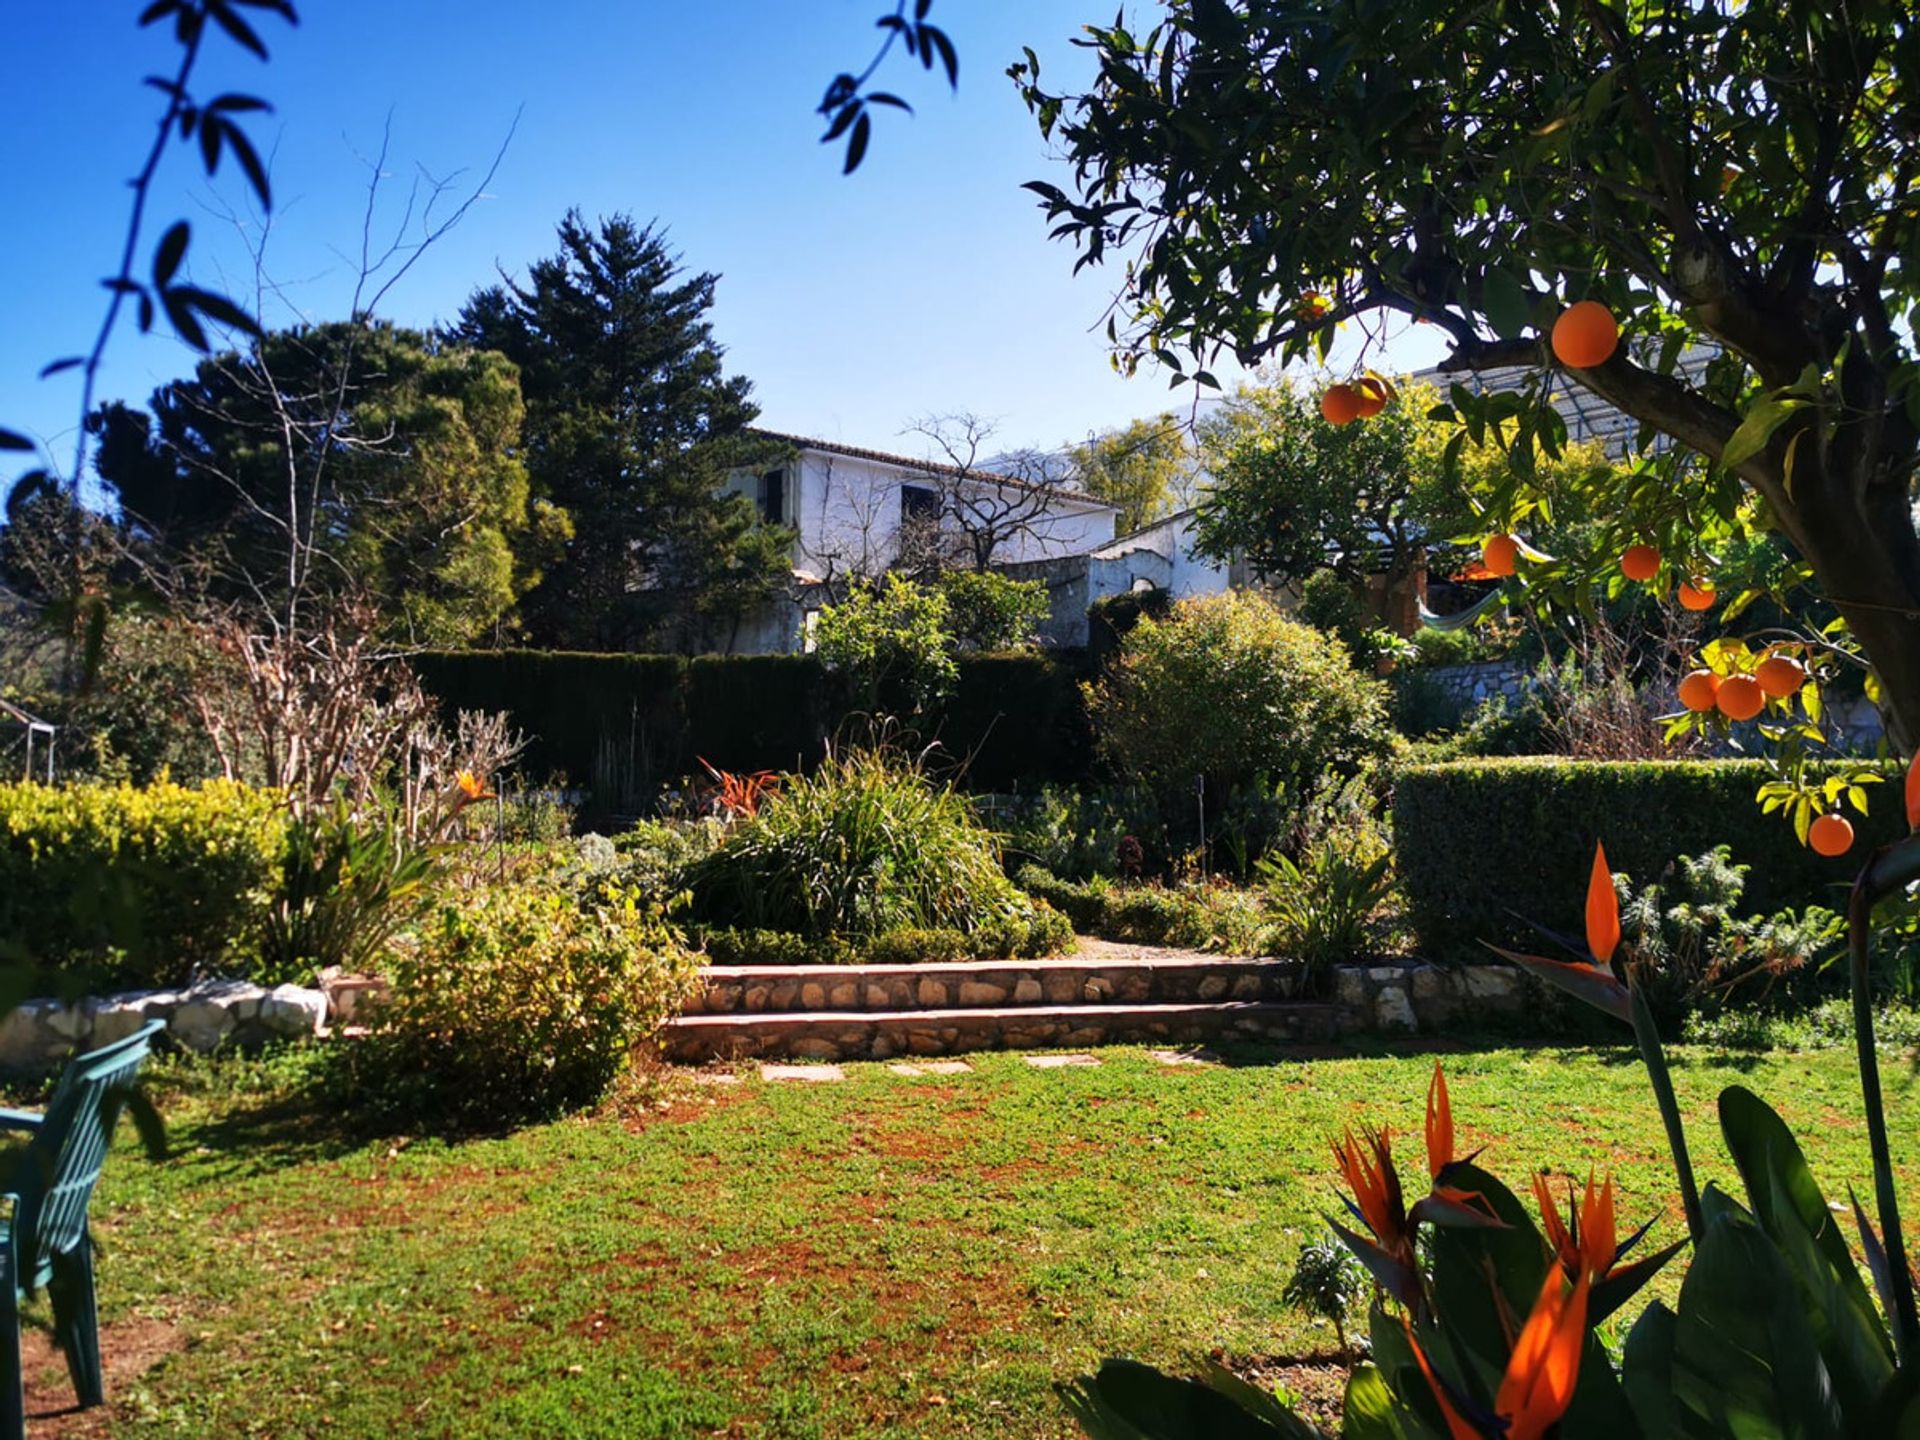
(859, 512)
(1158, 556)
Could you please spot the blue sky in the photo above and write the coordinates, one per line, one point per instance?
(922, 284)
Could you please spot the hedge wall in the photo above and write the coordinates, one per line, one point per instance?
(1478, 842)
(625, 724)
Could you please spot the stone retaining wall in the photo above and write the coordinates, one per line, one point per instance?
(755, 989)
(39, 1034)
(1416, 997)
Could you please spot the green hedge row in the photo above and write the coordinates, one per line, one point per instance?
(1478, 843)
(137, 887)
(625, 724)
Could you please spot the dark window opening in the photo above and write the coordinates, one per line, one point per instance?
(918, 503)
(773, 497)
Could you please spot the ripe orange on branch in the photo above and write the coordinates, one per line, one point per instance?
(1699, 689)
(1781, 675)
(1640, 562)
(1585, 335)
(1697, 594)
(1340, 404)
(1374, 393)
(1500, 554)
(1831, 835)
(1740, 697)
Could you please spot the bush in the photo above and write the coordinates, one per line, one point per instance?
(892, 638)
(347, 884)
(1077, 834)
(518, 1002)
(864, 845)
(1047, 933)
(1111, 618)
(991, 611)
(1330, 909)
(1478, 842)
(1229, 689)
(137, 887)
(1194, 916)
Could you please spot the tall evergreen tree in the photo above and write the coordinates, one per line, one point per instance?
(633, 427)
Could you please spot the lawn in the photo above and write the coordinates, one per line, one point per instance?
(885, 1256)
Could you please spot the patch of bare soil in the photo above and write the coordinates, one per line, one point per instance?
(129, 1348)
(1315, 1385)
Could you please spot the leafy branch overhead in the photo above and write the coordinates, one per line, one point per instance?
(1731, 183)
(217, 128)
(847, 101)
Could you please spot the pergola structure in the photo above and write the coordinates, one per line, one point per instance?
(35, 728)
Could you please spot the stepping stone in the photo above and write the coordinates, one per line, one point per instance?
(1186, 1057)
(903, 1067)
(1059, 1062)
(802, 1072)
(931, 1067)
(715, 1077)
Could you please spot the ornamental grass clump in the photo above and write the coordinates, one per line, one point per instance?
(865, 845)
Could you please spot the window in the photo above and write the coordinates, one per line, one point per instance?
(917, 503)
(773, 497)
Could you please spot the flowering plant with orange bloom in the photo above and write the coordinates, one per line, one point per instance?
(1483, 1325)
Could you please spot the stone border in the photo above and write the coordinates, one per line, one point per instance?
(39, 1034)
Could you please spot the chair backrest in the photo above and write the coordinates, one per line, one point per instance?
(55, 1178)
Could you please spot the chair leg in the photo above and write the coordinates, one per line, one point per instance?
(75, 1324)
(13, 1399)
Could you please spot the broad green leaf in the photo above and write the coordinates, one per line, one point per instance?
(1505, 301)
(1766, 415)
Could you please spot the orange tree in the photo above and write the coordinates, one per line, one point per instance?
(1731, 182)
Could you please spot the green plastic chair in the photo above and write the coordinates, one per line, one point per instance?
(46, 1239)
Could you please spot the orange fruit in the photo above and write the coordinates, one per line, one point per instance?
(1781, 675)
(1640, 562)
(1585, 335)
(1374, 394)
(1740, 697)
(1698, 689)
(1697, 594)
(1831, 835)
(1500, 554)
(1340, 404)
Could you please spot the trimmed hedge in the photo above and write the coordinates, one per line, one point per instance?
(137, 886)
(1479, 842)
(626, 724)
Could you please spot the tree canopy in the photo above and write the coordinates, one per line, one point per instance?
(358, 459)
(1295, 494)
(633, 427)
(1140, 467)
(1730, 177)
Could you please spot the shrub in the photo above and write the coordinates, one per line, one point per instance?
(140, 886)
(864, 845)
(1228, 689)
(1047, 933)
(518, 1002)
(990, 611)
(1111, 618)
(891, 637)
(347, 884)
(1479, 841)
(1077, 834)
(1328, 909)
(1194, 916)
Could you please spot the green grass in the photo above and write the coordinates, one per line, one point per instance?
(881, 1257)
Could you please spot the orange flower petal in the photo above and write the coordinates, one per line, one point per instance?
(1603, 909)
(1545, 1364)
(1598, 1238)
(1439, 1123)
(1457, 1428)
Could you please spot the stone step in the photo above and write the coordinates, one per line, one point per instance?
(882, 1034)
(990, 984)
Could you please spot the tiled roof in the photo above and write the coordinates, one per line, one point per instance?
(931, 467)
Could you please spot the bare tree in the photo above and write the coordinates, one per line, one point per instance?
(986, 499)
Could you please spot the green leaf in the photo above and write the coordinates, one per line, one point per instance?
(1764, 416)
(1505, 301)
(1371, 1412)
(1646, 1372)
(1744, 1358)
(1130, 1401)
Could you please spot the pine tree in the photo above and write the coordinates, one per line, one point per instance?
(632, 427)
